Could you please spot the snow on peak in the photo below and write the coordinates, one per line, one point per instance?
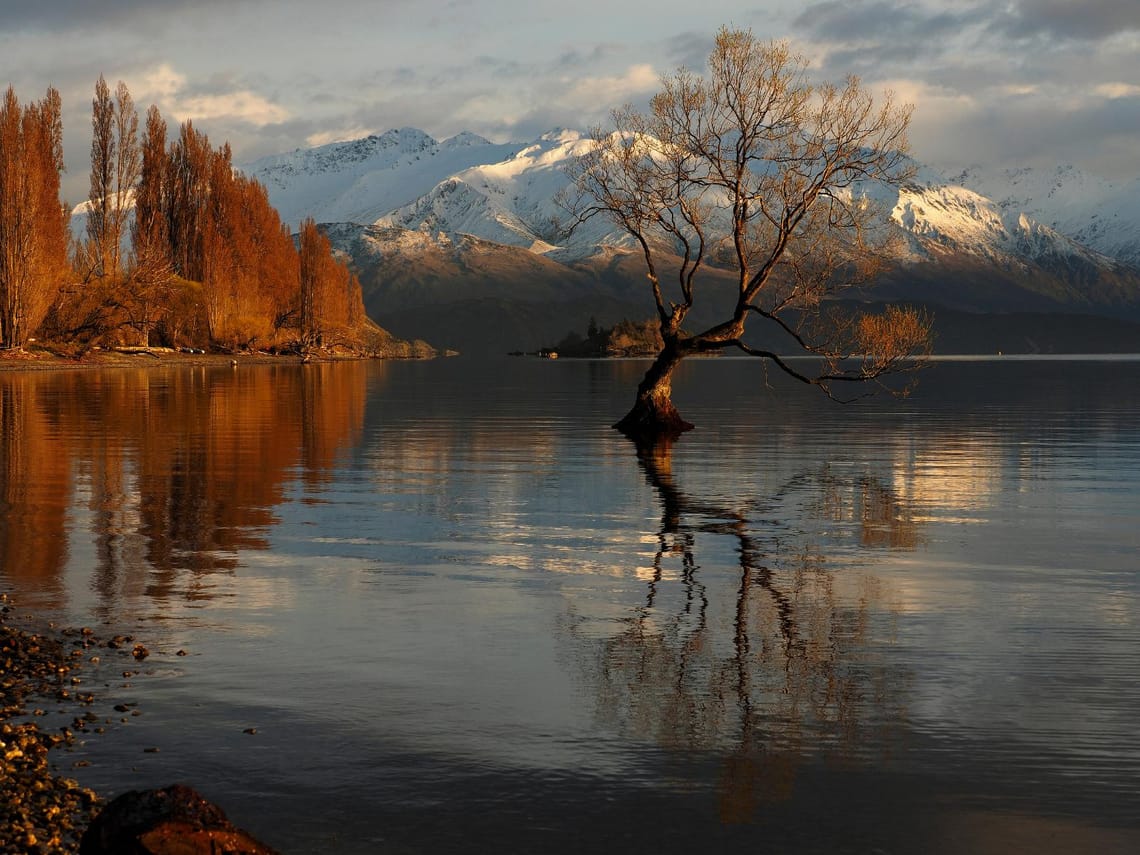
(506, 193)
(361, 180)
(561, 135)
(464, 138)
(1104, 215)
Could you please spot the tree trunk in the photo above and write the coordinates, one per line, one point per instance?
(653, 414)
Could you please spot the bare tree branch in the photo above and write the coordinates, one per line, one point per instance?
(755, 170)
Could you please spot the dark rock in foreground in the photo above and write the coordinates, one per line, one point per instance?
(176, 820)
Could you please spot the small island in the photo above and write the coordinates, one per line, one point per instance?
(625, 339)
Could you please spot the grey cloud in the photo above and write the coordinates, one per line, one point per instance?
(880, 21)
(496, 68)
(865, 61)
(50, 16)
(877, 38)
(1036, 131)
(971, 48)
(690, 49)
(1085, 20)
(577, 59)
(68, 15)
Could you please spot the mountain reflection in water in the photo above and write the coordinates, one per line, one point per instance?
(462, 614)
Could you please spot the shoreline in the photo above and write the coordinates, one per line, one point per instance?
(46, 360)
(43, 810)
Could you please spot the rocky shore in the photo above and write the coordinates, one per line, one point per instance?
(44, 813)
(40, 810)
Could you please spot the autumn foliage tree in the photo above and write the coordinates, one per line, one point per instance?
(754, 171)
(33, 233)
(121, 294)
(115, 169)
(217, 227)
(209, 259)
(331, 302)
(150, 236)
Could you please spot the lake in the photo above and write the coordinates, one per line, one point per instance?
(462, 614)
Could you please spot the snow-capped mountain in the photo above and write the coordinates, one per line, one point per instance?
(467, 221)
(506, 193)
(464, 185)
(965, 251)
(365, 179)
(1103, 215)
(1008, 258)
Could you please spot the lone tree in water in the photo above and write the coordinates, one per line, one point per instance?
(754, 172)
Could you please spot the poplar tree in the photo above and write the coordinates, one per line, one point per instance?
(314, 250)
(146, 291)
(127, 170)
(33, 236)
(99, 199)
(331, 302)
(151, 233)
(115, 168)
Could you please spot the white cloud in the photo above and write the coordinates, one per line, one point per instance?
(613, 90)
(240, 105)
(340, 135)
(159, 84)
(1023, 90)
(506, 107)
(542, 100)
(927, 98)
(1117, 90)
(168, 88)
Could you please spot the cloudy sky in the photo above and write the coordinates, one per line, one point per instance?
(1022, 82)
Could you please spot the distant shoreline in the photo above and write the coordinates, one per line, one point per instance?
(43, 360)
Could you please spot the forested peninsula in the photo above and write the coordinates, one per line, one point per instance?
(179, 250)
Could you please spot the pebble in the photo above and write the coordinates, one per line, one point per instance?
(40, 811)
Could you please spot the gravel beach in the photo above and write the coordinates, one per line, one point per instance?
(40, 810)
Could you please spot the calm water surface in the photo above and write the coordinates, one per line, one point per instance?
(465, 615)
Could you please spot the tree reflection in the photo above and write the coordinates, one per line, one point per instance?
(768, 661)
(34, 490)
(178, 470)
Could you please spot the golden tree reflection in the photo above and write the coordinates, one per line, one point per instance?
(34, 488)
(178, 469)
(767, 661)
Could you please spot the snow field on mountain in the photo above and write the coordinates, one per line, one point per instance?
(507, 193)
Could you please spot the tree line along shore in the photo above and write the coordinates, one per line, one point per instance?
(178, 249)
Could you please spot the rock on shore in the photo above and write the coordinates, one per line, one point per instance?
(175, 820)
(43, 813)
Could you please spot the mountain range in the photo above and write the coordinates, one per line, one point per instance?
(462, 242)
